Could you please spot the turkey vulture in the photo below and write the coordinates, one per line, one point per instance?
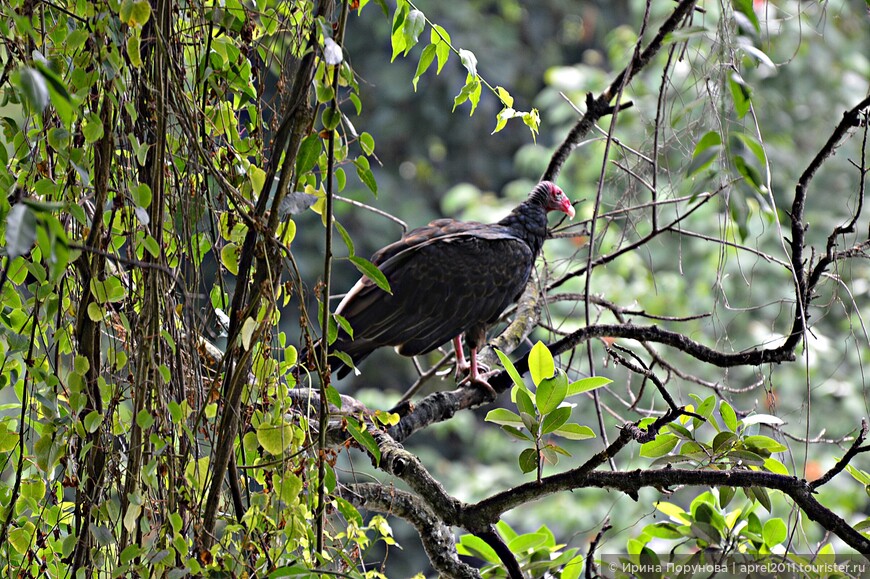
(447, 279)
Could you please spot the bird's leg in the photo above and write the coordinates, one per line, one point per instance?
(462, 365)
(475, 376)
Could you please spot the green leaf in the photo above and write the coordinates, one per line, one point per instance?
(92, 128)
(20, 231)
(425, 61)
(729, 417)
(92, 421)
(31, 82)
(859, 475)
(527, 542)
(555, 419)
(662, 445)
(275, 438)
(472, 546)
(364, 172)
(345, 236)
(367, 142)
(441, 39)
(414, 24)
(541, 363)
(309, 152)
(510, 368)
(525, 403)
(741, 94)
(587, 384)
(573, 568)
(775, 466)
(230, 258)
(764, 443)
(725, 495)
(364, 438)
(528, 460)
(551, 393)
(706, 151)
(504, 417)
(257, 177)
(141, 194)
(369, 270)
(747, 9)
(574, 431)
(134, 42)
(135, 13)
(517, 433)
(774, 532)
(330, 117)
(21, 538)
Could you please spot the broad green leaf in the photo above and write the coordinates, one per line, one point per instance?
(141, 194)
(764, 443)
(555, 419)
(662, 445)
(746, 8)
(525, 402)
(22, 537)
(309, 152)
(133, 52)
(551, 393)
(230, 258)
(511, 369)
(740, 94)
(426, 59)
(472, 546)
(92, 128)
(527, 542)
(275, 438)
(367, 142)
(414, 24)
(257, 177)
(516, 433)
(441, 39)
(729, 417)
(528, 460)
(674, 512)
(775, 466)
(859, 475)
(345, 236)
(573, 569)
(541, 363)
(503, 416)
(364, 172)
(573, 431)
(774, 532)
(364, 438)
(369, 270)
(31, 82)
(288, 487)
(330, 118)
(586, 385)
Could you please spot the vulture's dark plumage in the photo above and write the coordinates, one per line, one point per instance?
(447, 279)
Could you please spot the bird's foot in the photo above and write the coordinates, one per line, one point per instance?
(480, 381)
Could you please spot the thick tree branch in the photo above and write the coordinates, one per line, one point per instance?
(437, 537)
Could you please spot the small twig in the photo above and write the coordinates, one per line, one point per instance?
(591, 567)
(841, 464)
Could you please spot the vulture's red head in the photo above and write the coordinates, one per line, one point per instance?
(554, 198)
